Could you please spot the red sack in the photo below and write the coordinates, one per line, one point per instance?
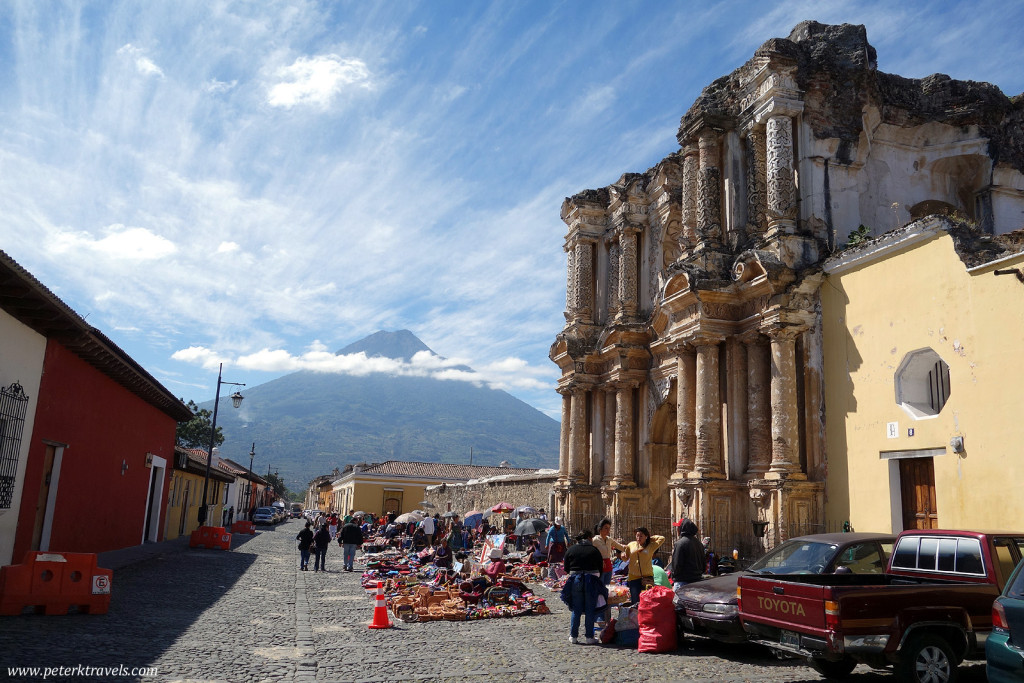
(608, 634)
(657, 617)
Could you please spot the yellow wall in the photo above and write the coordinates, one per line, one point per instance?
(923, 296)
(182, 481)
(368, 495)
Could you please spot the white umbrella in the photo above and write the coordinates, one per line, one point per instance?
(414, 516)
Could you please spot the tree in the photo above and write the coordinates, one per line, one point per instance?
(280, 490)
(196, 432)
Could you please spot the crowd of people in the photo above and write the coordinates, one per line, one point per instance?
(588, 564)
(587, 560)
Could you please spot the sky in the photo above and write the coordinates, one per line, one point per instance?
(260, 184)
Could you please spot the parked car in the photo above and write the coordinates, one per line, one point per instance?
(263, 516)
(708, 607)
(1004, 649)
(928, 612)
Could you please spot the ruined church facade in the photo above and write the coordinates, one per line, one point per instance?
(691, 357)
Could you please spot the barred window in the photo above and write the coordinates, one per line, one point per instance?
(13, 405)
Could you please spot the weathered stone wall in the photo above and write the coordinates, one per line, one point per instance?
(534, 490)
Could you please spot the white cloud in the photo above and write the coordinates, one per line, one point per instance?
(120, 243)
(198, 355)
(317, 80)
(143, 64)
(215, 86)
(509, 373)
(227, 247)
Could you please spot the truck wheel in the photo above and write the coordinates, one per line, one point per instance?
(927, 659)
(834, 671)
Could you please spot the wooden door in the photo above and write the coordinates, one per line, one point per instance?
(43, 498)
(917, 484)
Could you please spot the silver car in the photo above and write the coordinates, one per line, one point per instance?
(264, 516)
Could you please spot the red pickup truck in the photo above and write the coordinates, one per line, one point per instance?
(930, 610)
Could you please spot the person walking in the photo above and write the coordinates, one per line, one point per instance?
(305, 539)
(350, 538)
(321, 539)
(556, 540)
(605, 543)
(428, 527)
(583, 564)
(455, 534)
(687, 556)
(639, 553)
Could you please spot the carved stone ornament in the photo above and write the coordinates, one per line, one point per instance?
(660, 390)
(779, 142)
(709, 205)
(685, 496)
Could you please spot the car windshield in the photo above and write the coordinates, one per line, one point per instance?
(796, 556)
(264, 511)
(1016, 589)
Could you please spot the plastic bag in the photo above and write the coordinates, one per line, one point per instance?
(657, 620)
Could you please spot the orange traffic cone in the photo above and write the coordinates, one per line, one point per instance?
(380, 612)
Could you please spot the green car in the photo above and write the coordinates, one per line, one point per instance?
(1004, 649)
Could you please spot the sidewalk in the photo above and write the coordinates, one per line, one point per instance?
(116, 559)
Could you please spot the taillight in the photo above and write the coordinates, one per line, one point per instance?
(999, 616)
(831, 614)
(739, 602)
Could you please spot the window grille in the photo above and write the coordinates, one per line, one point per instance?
(13, 404)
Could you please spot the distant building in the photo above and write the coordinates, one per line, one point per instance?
(399, 486)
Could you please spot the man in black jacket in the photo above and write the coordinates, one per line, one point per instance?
(321, 540)
(687, 555)
(350, 538)
(305, 539)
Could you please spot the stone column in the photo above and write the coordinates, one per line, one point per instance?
(691, 168)
(570, 283)
(624, 435)
(709, 192)
(779, 174)
(686, 411)
(578, 436)
(708, 410)
(759, 437)
(563, 448)
(627, 273)
(756, 189)
(598, 442)
(785, 422)
(584, 260)
(737, 450)
(613, 279)
(609, 435)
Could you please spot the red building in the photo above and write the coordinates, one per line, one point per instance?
(102, 442)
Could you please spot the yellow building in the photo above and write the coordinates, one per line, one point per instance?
(399, 486)
(924, 360)
(186, 492)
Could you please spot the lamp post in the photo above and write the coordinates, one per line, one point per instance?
(248, 490)
(236, 400)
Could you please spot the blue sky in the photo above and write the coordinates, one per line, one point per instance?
(263, 183)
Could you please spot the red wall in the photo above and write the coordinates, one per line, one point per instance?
(102, 423)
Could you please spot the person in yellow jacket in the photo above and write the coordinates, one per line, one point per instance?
(640, 553)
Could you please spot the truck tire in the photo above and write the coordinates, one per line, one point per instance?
(834, 671)
(927, 659)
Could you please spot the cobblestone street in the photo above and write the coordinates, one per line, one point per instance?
(249, 615)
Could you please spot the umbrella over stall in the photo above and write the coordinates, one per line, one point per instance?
(503, 507)
(409, 517)
(530, 527)
(427, 504)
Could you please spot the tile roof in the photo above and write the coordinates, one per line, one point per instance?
(440, 470)
(29, 301)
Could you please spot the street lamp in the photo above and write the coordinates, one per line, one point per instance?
(248, 489)
(236, 401)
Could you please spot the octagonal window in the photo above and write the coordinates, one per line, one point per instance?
(922, 383)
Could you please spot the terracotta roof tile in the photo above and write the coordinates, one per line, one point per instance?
(440, 470)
